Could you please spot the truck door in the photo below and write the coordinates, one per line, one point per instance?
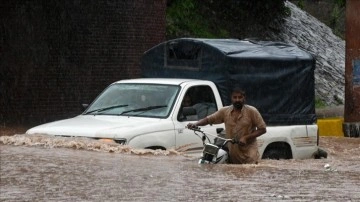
(202, 99)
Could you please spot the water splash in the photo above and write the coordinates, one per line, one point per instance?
(79, 143)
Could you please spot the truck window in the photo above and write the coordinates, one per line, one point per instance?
(183, 56)
(202, 99)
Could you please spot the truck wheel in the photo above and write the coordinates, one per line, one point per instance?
(279, 153)
(320, 154)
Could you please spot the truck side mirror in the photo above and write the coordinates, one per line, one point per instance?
(84, 106)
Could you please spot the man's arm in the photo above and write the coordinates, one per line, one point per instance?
(260, 128)
(247, 138)
(201, 122)
(214, 118)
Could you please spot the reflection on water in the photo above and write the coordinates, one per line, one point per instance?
(43, 168)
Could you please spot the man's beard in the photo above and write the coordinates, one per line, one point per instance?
(238, 105)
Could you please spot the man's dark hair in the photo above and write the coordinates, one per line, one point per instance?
(238, 89)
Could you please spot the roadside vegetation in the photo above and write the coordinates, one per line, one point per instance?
(319, 103)
(244, 18)
(226, 18)
(330, 12)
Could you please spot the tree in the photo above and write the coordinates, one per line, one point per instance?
(226, 18)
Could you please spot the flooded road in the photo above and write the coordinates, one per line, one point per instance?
(42, 168)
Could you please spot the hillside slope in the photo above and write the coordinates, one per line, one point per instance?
(314, 36)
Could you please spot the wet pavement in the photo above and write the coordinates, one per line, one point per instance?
(43, 168)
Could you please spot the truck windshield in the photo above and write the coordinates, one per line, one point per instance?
(132, 99)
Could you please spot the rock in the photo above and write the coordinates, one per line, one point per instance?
(315, 37)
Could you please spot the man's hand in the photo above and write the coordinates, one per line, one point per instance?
(201, 122)
(191, 126)
(242, 141)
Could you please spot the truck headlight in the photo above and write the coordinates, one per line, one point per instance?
(121, 141)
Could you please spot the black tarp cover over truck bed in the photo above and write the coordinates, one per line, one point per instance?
(278, 78)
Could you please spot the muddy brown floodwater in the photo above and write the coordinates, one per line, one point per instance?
(43, 168)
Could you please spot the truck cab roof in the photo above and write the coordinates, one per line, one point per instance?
(171, 81)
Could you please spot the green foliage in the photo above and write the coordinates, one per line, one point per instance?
(301, 4)
(319, 103)
(336, 17)
(225, 18)
(183, 19)
(259, 11)
(340, 3)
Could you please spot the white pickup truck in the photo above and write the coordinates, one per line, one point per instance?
(147, 113)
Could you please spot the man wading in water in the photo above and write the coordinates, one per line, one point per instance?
(243, 123)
